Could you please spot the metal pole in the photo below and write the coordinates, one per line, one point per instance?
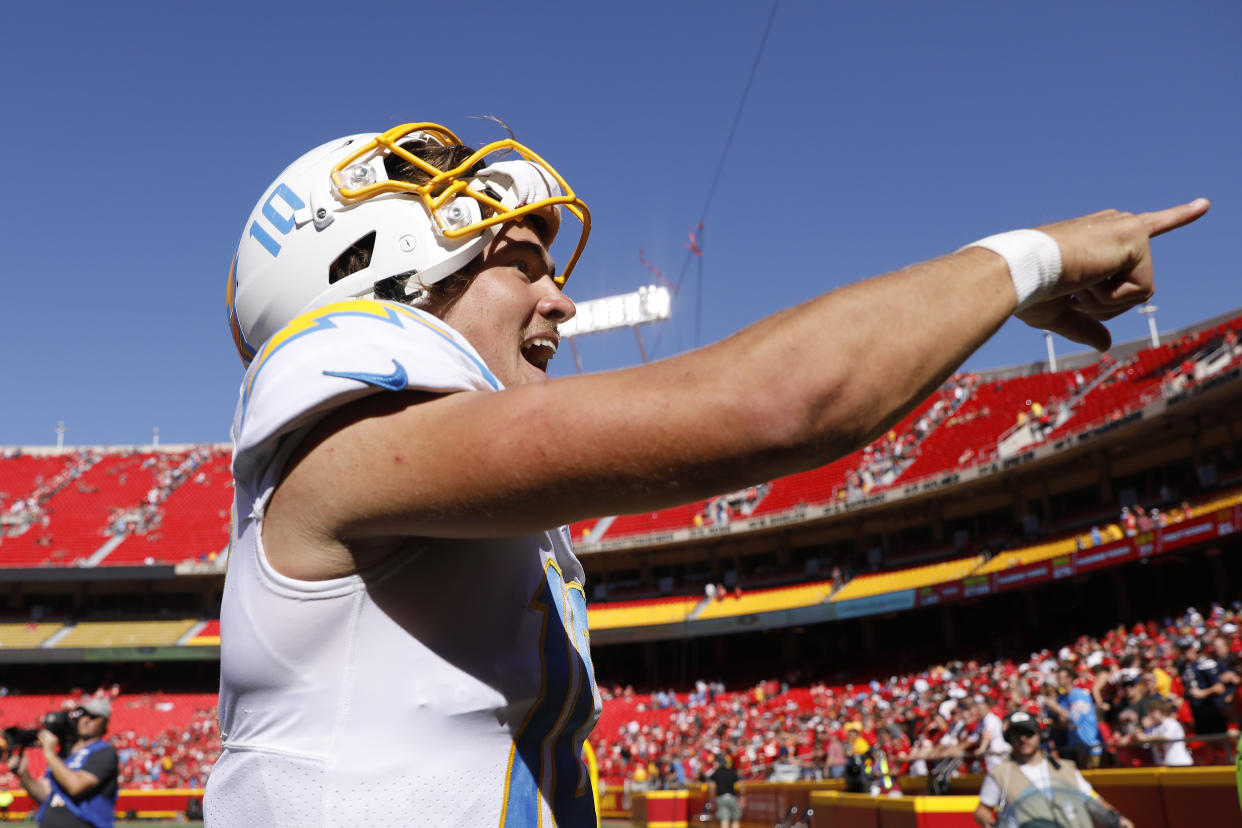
(1149, 310)
(60, 435)
(641, 350)
(155, 437)
(577, 356)
(1052, 354)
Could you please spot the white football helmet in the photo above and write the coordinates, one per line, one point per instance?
(338, 198)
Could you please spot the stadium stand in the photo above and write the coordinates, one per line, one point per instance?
(163, 740)
(617, 614)
(767, 600)
(911, 578)
(101, 508)
(126, 634)
(209, 634)
(194, 521)
(964, 423)
(653, 522)
(771, 722)
(93, 509)
(26, 635)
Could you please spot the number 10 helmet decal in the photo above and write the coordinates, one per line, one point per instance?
(369, 208)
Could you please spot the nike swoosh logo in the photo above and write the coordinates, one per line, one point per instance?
(396, 381)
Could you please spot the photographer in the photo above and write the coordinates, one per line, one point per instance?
(1031, 788)
(81, 791)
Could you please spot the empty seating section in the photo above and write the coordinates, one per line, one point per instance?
(971, 433)
(920, 576)
(640, 613)
(1137, 383)
(194, 523)
(768, 600)
(649, 523)
(582, 528)
(79, 513)
(26, 635)
(807, 488)
(126, 633)
(173, 519)
(20, 476)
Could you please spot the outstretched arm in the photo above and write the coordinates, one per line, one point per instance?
(789, 393)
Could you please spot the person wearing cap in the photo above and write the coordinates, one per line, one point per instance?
(80, 791)
(1205, 691)
(1031, 778)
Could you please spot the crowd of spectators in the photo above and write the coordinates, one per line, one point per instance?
(1141, 695)
(723, 508)
(154, 758)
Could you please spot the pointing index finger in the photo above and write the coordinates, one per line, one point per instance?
(1162, 221)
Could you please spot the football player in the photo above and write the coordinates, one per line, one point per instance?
(403, 629)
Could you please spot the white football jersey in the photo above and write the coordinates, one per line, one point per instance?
(450, 685)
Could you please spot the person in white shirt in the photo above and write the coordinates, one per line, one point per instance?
(992, 745)
(1166, 737)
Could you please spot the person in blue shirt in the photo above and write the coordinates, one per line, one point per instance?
(1205, 691)
(79, 791)
(1074, 709)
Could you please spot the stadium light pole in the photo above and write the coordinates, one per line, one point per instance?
(60, 435)
(1149, 310)
(1052, 354)
(628, 310)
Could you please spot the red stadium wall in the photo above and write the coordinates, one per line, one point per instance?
(167, 804)
(1151, 797)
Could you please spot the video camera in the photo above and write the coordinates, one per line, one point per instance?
(62, 723)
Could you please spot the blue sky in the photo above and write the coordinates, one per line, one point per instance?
(139, 135)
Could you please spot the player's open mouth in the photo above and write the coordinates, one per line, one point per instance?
(539, 350)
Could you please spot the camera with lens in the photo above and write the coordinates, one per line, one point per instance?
(62, 723)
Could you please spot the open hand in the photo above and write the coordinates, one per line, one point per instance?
(1106, 269)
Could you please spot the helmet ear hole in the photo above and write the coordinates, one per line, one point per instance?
(355, 257)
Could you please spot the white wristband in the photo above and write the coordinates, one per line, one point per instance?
(1034, 260)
